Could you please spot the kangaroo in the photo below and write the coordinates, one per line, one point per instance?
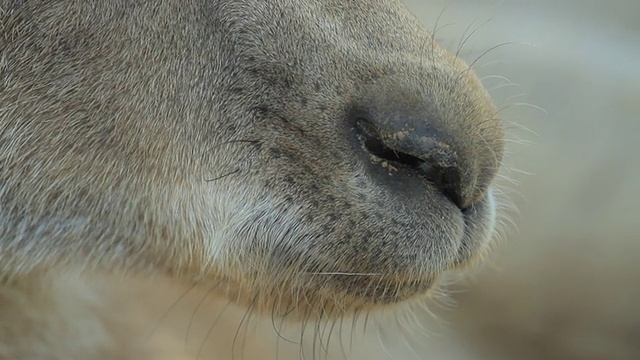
(306, 162)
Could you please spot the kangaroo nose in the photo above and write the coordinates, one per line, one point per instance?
(412, 138)
(402, 142)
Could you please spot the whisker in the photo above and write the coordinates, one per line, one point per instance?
(215, 321)
(166, 313)
(193, 315)
(490, 50)
(470, 35)
(239, 329)
(223, 176)
(436, 29)
(345, 273)
(531, 106)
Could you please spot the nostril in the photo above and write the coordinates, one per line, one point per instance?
(447, 179)
(432, 165)
(373, 143)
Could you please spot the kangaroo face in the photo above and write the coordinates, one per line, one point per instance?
(312, 153)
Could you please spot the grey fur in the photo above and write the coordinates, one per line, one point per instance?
(210, 140)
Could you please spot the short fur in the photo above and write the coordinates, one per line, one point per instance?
(210, 142)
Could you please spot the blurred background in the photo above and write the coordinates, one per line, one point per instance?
(565, 284)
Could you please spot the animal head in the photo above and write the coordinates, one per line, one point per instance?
(318, 153)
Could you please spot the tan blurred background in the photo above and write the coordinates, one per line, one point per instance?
(566, 284)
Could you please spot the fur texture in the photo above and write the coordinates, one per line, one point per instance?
(215, 142)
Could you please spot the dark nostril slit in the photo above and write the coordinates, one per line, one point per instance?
(447, 179)
(444, 177)
(374, 144)
(379, 149)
